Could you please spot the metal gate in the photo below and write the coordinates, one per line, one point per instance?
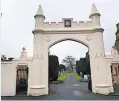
(22, 79)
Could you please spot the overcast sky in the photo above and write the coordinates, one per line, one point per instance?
(18, 23)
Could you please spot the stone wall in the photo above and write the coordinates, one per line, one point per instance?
(9, 74)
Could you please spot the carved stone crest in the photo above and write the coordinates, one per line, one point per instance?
(48, 39)
(88, 37)
(67, 23)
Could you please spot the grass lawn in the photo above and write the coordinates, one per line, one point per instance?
(76, 76)
(62, 77)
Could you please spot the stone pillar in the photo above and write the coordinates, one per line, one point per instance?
(39, 75)
(100, 71)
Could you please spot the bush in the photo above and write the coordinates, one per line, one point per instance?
(53, 67)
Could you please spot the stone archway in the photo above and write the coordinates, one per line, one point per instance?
(58, 41)
(70, 39)
(90, 33)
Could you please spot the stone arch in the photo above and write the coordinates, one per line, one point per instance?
(71, 39)
(83, 42)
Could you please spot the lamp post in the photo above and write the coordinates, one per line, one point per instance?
(117, 38)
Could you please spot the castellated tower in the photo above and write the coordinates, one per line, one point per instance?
(38, 81)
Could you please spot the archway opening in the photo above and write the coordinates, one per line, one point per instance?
(22, 80)
(69, 61)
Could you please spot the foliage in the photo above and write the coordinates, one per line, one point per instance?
(62, 68)
(62, 77)
(10, 58)
(53, 67)
(83, 65)
(4, 58)
(112, 78)
(70, 61)
(76, 76)
(80, 65)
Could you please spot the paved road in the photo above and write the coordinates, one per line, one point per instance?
(71, 89)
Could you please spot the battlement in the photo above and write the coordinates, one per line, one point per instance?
(74, 24)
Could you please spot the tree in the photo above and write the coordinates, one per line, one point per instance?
(3, 58)
(83, 65)
(62, 68)
(80, 66)
(53, 67)
(87, 64)
(10, 58)
(70, 61)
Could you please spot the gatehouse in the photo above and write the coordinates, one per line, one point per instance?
(47, 34)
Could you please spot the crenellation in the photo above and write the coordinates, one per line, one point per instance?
(60, 22)
(54, 23)
(46, 22)
(49, 23)
(75, 24)
(88, 23)
(81, 22)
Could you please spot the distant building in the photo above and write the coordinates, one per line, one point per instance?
(115, 64)
(114, 58)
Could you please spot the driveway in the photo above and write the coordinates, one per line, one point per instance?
(71, 89)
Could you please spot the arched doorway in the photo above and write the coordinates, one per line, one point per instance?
(22, 80)
(61, 50)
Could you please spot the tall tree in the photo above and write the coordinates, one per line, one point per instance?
(70, 61)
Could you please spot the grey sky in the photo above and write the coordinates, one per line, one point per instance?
(18, 22)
